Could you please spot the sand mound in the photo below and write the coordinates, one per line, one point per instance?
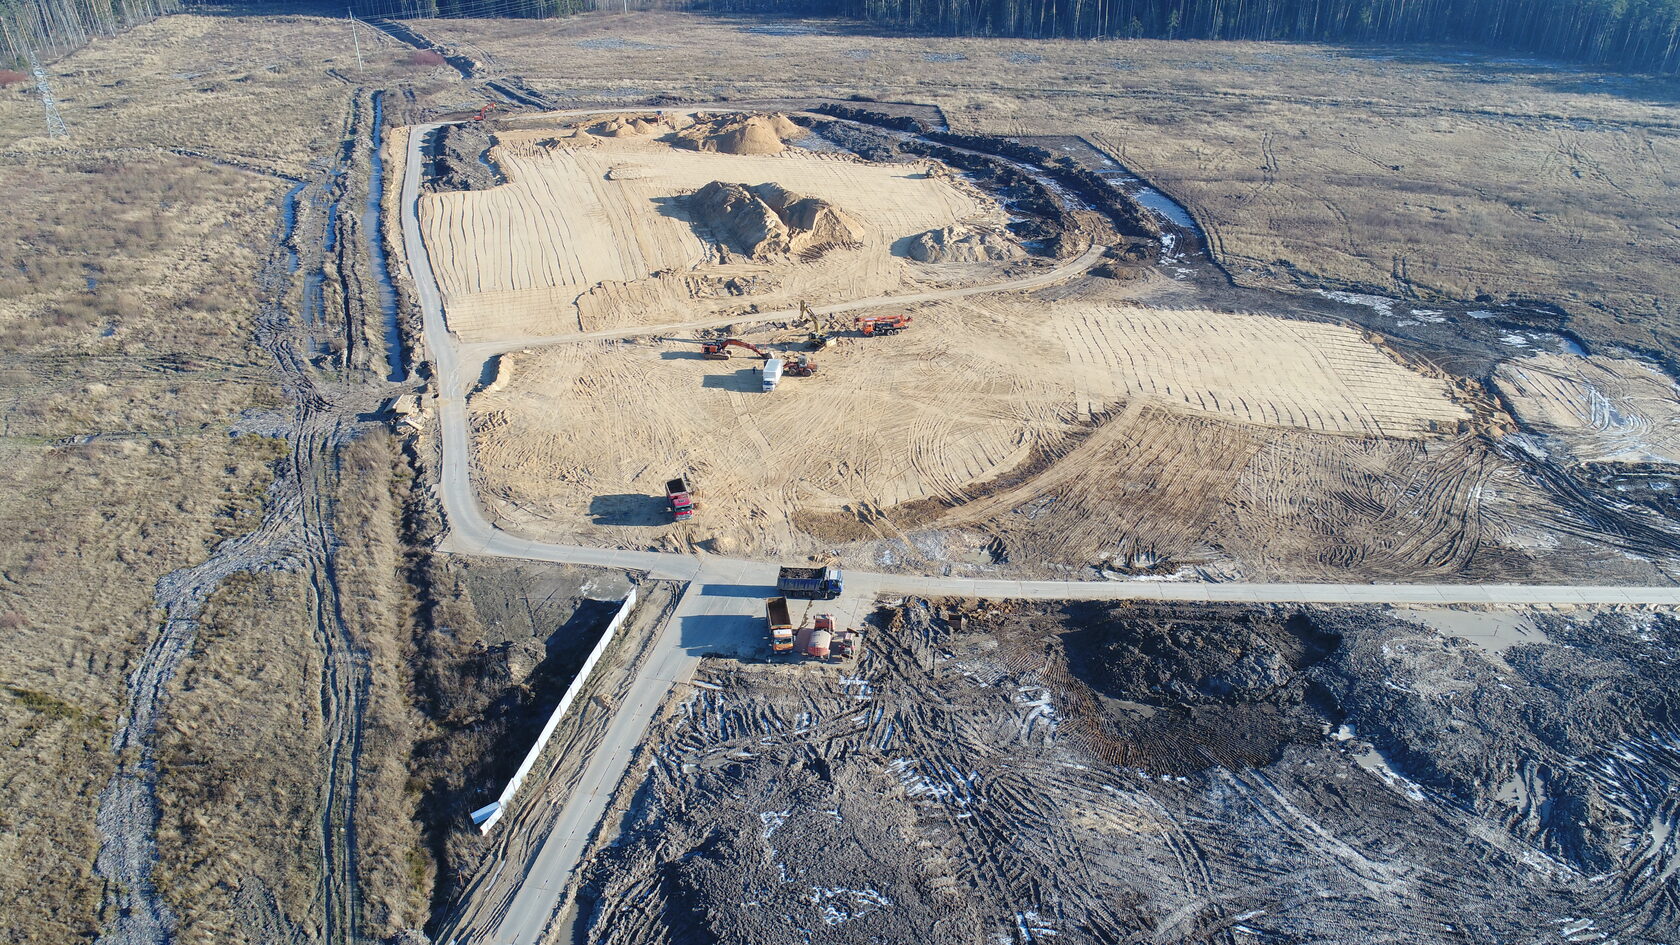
(751, 134)
(961, 244)
(627, 126)
(770, 220)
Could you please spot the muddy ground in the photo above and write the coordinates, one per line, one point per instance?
(1106, 773)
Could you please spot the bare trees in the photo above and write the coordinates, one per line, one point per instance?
(51, 28)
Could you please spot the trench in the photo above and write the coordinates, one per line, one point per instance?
(373, 223)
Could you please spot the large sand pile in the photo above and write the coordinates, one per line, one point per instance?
(768, 220)
(962, 244)
(740, 134)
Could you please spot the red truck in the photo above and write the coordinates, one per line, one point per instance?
(681, 498)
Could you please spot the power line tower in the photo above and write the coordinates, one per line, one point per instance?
(55, 121)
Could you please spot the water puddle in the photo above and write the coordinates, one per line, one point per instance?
(1495, 631)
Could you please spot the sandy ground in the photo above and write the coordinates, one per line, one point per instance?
(973, 394)
(513, 260)
(1598, 409)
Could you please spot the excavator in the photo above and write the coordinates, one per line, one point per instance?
(819, 338)
(484, 111)
(883, 324)
(719, 350)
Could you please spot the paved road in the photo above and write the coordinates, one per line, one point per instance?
(723, 597)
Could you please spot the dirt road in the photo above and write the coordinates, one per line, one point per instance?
(724, 592)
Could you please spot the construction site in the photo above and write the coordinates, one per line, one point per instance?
(859, 352)
(647, 475)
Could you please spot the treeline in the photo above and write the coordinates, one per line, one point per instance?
(1639, 35)
(410, 9)
(51, 28)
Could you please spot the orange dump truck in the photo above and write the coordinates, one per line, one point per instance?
(781, 624)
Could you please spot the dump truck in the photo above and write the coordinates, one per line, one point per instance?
(810, 583)
(781, 624)
(772, 374)
(681, 498)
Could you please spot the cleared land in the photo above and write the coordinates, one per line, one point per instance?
(998, 771)
(969, 396)
(584, 210)
(1598, 409)
(1408, 170)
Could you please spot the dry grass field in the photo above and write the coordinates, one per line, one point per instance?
(128, 298)
(1426, 172)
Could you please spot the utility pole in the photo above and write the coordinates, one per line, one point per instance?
(55, 121)
(349, 14)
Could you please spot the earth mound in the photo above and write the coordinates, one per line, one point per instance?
(769, 220)
(737, 134)
(626, 126)
(961, 244)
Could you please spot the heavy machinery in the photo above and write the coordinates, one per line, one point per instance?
(846, 644)
(772, 374)
(882, 324)
(801, 366)
(819, 338)
(719, 350)
(484, 111)
(810, 583)
(776, 614)
(822, 634)
(680, 497)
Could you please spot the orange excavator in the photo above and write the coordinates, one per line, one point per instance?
(719, 350)
(883, 324)
(484, 111)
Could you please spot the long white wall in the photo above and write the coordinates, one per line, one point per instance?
(489, 815)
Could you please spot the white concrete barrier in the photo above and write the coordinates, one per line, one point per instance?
(488, 815)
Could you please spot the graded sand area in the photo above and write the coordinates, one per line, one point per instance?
(1599, 409)
(974, 399)
(582, 210)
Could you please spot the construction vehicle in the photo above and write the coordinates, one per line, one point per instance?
(810, 583)
(781, 624)
(822, 634)
(801, 366)
(719, 350)
(680, 497)
(772, 374)
(882, 324)
(484, 111)
(846, 644)
(819, 338)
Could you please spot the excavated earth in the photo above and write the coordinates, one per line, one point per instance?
(1005, 772)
